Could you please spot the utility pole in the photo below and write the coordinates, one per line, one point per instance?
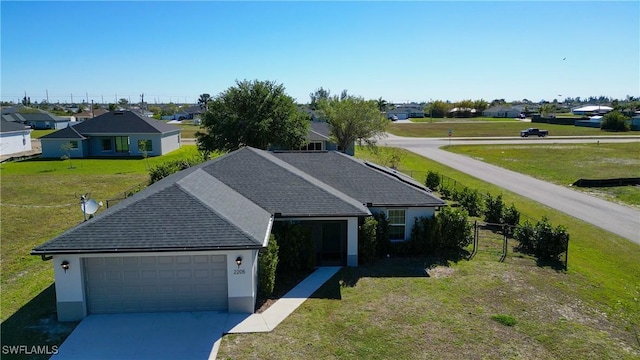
(72, 98)
(142, 101)
(92, 113)
(87, 96)
(47, 91)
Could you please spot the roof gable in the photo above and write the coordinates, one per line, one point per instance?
(67, 133)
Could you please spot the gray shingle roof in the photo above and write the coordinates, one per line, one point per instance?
(124, 122)
(230, 202)
(186, 211)
(367, 184)
(279, 187)
(11, 126)
(318, 131)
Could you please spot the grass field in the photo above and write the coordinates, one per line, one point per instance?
(389, 310)
(491, 129)
(564, 164)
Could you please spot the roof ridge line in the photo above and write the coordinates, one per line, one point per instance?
(309, 178)
(180, 184)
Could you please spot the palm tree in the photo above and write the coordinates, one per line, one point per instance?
(204, 101)
(382, 104)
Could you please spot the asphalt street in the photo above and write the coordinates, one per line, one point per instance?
(618, 219)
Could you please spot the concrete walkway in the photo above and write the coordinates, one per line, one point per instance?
(178, 335)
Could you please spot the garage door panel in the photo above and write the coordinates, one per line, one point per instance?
(156, 283)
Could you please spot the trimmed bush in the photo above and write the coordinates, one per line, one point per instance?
(542, 240)
(367, 241)
(267, 265)
(163, 170)
(493, 209)
(297, 251)
(455, 231)
(383, 245)
(424, 236)
(470, 200)
(433, 180)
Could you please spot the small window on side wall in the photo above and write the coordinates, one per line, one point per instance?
(74, 144)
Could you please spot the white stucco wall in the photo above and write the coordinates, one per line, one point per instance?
(15, 142)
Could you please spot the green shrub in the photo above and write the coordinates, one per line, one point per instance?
(383, 244)
(470, 200)
(493, 209)
(511, 215)
(455, 231)
(424, 236)
(297, 251)
(542, 240)
(367, 242)
(525, 235)
(433, 180)
(163, 170)
(614, 121)
(445, 192)
(506, 320)
(267, 265)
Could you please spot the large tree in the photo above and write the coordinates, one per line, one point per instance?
(318, 95)
(352, 119)
(252, 113)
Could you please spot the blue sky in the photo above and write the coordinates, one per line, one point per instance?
(400, 51)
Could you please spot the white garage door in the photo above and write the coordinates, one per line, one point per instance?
(156, 283)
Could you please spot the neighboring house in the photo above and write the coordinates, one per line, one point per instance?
(14, 138)
(90, 114)
(193, 112)
(502, 111)
(462, 112)
(40, 120)
(318, 139)
(190, 242)
(592, 110)
(113, 134)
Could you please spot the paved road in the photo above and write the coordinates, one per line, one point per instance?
(618, 219)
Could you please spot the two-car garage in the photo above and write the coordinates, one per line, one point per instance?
(156, 283)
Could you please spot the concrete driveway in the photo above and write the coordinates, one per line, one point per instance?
(180, 335)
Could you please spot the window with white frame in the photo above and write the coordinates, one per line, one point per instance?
(397, 223)
(312, 146)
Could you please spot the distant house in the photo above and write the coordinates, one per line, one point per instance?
(502, 111)
(592, 110)
(90, 114)
(318, 139)
(40, 120)
(113, 134)
(138, 256)
(193, 112)
(14, 137)
(462, 112)
(406, 111)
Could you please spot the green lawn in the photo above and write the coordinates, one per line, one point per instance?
(563, 164)
(391, 309)
(492, 129)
